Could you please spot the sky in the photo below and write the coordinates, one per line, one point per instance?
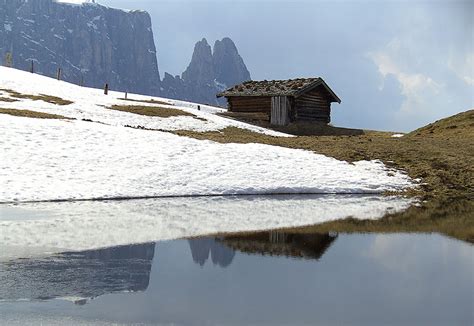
(396, 65)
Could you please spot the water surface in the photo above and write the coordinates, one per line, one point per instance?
(109, 263)
(267, 278)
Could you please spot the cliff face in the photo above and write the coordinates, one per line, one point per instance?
(208, 73)
(91, 43)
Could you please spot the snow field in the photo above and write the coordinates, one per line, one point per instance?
(90, 103)
(57, 159)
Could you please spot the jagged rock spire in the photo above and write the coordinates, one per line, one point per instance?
(208, 73)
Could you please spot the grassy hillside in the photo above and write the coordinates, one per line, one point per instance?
(461, 124)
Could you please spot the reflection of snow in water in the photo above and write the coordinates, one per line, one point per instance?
(80, 226)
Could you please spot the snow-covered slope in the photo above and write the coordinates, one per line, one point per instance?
(71, 159)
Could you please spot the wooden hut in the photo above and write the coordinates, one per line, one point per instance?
(283, 101)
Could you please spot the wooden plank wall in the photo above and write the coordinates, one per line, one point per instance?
(250, 104)
(313, 106)
(280, 111)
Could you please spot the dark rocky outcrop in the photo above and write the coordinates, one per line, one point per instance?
(208, 73)
(91, 43)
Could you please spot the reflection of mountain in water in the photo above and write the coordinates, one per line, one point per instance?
(220, 254)
(308, 246)
(86, 274)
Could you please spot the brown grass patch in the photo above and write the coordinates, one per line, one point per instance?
(152, 101)
(7, 99)
(442, 159)
(32, 114)
(42, 97)
(151, 111)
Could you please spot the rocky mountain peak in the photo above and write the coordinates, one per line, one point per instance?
(200, 70)
(209, 72)
(229, 67)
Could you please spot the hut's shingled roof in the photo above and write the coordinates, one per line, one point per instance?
(289, 87)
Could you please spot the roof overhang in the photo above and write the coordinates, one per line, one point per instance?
(320, 83)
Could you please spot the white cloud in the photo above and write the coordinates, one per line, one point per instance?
(432, 63)
(463, 66)
(417, 88)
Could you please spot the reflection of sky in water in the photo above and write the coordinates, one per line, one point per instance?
(360, 279)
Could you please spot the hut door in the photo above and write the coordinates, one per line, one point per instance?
(280, 114)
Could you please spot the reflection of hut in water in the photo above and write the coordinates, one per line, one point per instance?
(86, 274)
(308, 246)
(202, 248)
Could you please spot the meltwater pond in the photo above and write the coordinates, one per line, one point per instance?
(265, 278)
(154, 262)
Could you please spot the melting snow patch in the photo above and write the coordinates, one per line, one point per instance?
(56, 159)
(397, 135)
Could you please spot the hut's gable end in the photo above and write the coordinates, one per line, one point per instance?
(314, 105)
